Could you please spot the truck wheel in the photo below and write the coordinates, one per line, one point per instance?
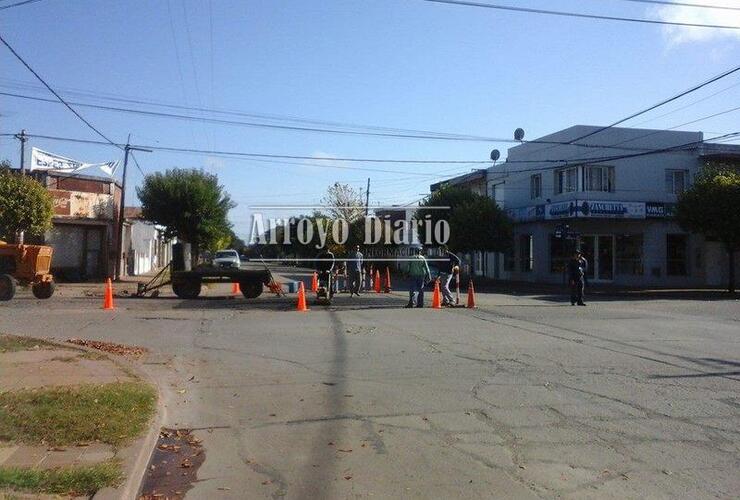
(251, 290)
(43, 290)
(7, 287)
(187, 289)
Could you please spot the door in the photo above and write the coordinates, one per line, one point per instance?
(599, 253)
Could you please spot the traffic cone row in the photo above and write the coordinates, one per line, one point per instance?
(377, 281)
(471, 295)
(235, 289)
(436, 299)
(301, 306)
(108, 297)
(315, 282)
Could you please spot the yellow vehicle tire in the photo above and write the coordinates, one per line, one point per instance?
(7, 287)
(43, 290)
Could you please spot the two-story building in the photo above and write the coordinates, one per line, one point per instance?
(611, 195)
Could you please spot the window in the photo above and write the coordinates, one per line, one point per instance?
(535, 186)
(559, 248)
(677, 255)
(629, 254)
(526, 253)
(509, 259)
(597, 178)
(676, 181)
(566, 180)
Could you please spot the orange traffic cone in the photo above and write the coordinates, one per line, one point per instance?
(108, 300)
(387, 280)
(436, 299)
(377, 281)
(315, 282)
(301, 306)
(235, 289)
(471, 295)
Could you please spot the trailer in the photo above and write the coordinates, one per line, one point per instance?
(186, 284)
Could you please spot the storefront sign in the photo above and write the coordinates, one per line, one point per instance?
(526, 214)
(562, 210)
(611, 209)
(659, 210)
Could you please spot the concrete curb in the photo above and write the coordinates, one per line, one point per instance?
(136, 461)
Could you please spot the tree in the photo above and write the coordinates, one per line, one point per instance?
(25, 205)
(710, 207)
(190, 204)
(476, 221)
(344, 202)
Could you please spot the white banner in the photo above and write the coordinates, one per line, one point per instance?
(42, 160)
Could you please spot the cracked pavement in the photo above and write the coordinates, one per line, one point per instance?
(524, 397)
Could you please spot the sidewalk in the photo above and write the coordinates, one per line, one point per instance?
(71, 419)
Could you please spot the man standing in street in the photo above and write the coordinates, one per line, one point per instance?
(419, 274)
(355, 273)
(450, 268)
(576, 270)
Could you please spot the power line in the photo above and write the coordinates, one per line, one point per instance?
(90, 125)
(464, 3)
(684, 4)
(18, 4)
(663, 102)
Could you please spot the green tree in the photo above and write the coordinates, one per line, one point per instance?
(190, 204)
(710, 207)
(25, 205)
(476, 221)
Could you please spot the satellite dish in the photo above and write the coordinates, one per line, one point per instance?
(495, 154)
(519, 134)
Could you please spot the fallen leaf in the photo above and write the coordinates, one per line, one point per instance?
(266, 482)
(347, 477)
(181, 391)
(344, 451)
(224, 488)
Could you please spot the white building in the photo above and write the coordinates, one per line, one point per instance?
(611, 194)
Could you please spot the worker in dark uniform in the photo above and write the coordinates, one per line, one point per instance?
(449, 270)
(324, 266)
(576, 271)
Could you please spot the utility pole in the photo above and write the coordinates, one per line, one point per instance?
(119, 250)
(22, 137)
(367, 197)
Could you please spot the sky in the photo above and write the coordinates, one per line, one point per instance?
(402, 64)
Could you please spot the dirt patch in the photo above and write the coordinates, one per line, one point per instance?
(110, 347)
(174, 465)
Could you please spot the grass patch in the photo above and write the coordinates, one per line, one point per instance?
(110, 413)
(12, 343)
(73, 481)
(93, 356)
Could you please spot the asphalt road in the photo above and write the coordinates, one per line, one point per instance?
(524, 397)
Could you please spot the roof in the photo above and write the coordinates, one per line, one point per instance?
(460, 179)
(132, 213)
(720, 151)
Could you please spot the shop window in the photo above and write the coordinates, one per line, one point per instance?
(478, 262)
(629, 254)
(598, 178)
(509, 259)
(558, 254)
(676, 181)
(526, 253)
(535, 186)
(566, 180)
(677, 255)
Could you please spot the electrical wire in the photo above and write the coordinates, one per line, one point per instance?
(61, 99)
(464, 3)
(18, 4)
(684, 4)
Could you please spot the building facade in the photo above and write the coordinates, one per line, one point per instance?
(145, 249)
(610, 195)
(85, 225)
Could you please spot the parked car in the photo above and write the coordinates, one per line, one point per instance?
(227, 259)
